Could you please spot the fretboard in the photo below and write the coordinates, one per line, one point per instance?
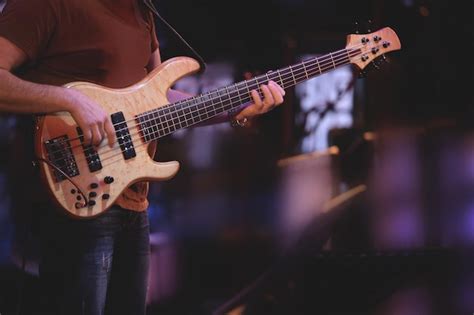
(165, 120)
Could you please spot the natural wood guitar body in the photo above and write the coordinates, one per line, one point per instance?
(148, 94)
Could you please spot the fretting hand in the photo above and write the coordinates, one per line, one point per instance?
(273, 96)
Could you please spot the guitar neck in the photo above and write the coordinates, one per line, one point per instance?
(165, 120)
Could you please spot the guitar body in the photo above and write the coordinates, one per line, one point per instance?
(100, 189)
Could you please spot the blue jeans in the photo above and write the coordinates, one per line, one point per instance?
(97, 266)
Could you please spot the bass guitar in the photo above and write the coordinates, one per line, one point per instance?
(85, 180)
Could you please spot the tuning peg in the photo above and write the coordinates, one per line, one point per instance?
(356, 27)
(362, 74)
(369, 26)
(376, 66)
(385, 59)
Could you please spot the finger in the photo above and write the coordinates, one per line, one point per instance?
(276, 93)
(257, 101)
(268, 101)
(282, 91)
(110, 131)
(248, 112)
(86, 136)
(96, 136)
(100, 126)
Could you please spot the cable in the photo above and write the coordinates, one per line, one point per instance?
(151, 6)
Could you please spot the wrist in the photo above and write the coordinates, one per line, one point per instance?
(65, 99)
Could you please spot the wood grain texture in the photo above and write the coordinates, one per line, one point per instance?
(147, 94)
(387, 34)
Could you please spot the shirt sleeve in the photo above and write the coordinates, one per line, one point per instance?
(28, 24)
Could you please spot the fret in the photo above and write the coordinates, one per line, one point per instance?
(161, 125)
(200, 108)
(248, 89)
(257, 87)
(247, 94)
(292, 74)
(282, 84)
(319, 66)
(213, 101)
(193, 111)
(192, 108)
(182, 116)
(188, 118)
(165, 120)
(220, 101)
(175, 124)
(141, 123)
(332, 59)
(305, 71)
(272, 76)
(238, 94)
(234, 96)
(180, 112)
(206, 103)
(218, 107)
(153, 124)
(259, 83)
(229, 98)
(203, 113)
(348, 55)
(268, 77)
(224, 98)
(169, 119)
(176, 120)
(250, 85)
(300, 73)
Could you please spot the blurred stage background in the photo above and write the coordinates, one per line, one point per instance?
(232, 212)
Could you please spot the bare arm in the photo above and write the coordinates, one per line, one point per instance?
(19, 96)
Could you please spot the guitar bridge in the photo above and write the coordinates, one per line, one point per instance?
(60, 155)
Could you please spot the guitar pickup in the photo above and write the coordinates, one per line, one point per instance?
(123, 136)
(92, 158)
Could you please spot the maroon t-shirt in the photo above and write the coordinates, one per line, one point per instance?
(82, 40)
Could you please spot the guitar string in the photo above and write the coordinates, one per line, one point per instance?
(183, 102)
(287, 76)
(289, 80)
(283, 79)
(160, 136)
(132, 138)
(141, 148)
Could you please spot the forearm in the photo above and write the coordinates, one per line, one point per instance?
(19, 96)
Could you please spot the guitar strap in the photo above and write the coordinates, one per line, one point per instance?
(151, 6)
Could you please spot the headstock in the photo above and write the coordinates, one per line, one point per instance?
(365, 48)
